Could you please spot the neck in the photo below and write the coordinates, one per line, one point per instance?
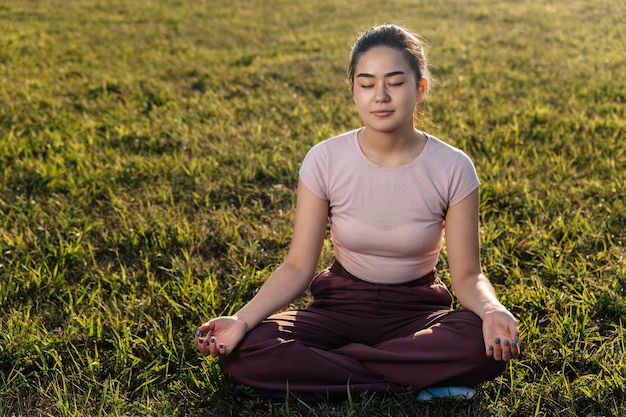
(391, 148)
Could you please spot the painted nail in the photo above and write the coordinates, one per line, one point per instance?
(514, 345)
(221, 346)
(197, 332)
(490, 347)
(497, 340)
(212, 339)
(201, 341)
(506, 342)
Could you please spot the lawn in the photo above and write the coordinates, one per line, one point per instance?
(148, 160)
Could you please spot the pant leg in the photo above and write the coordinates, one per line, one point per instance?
(273, 358)
(423, 342)
(293, 350)
(450, 351)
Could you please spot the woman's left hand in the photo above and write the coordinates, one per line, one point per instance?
(501, 335)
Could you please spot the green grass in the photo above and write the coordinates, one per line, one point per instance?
(148, 160)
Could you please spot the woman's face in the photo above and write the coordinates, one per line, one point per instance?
(385, 90)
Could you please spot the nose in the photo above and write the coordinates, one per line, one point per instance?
(381, 94)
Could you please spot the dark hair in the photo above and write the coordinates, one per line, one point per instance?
(395, 37)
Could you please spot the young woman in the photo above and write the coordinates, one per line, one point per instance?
(381, 319)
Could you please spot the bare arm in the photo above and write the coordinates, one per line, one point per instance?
(284, 285)
(296, 272)
(471, 286)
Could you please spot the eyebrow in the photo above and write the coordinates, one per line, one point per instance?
(389, 74)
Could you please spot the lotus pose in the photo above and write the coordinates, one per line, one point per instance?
(380, 319)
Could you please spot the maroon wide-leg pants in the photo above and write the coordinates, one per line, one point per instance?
(359, 336)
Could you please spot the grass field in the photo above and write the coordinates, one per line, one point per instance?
(148, 160)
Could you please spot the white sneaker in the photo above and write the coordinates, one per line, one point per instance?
(445, 393)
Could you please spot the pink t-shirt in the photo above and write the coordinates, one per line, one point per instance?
(387, 223)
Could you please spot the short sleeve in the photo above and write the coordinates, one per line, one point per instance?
(463, 179)
(314, 171)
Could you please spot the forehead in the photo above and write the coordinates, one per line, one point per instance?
(382, 60)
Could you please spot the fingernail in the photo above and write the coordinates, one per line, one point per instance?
(497, 340)
(514, 345)
(506, 342)
(197, 332)
(212, 339)
(490, 347)
(221, 346)
(201, 341)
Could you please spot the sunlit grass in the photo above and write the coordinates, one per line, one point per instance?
(148, 162)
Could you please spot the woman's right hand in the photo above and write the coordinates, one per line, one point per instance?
(220, 335)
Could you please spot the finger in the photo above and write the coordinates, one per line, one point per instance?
(490, 351)
(506, 350)
(511, 350)
(516, 349)
(515, 353)
(198, 336)
(497, 349)
(491, 347)
(217, 348)
(206, 327)
(201, 345)
(213, 347)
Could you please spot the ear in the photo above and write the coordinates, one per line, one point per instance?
(421, 89)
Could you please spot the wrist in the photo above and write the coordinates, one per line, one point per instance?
(242, 321)
(493, 308)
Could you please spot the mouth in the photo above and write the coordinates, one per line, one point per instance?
(382, 113)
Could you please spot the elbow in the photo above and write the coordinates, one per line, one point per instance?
(301, 271)
(464, 280)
